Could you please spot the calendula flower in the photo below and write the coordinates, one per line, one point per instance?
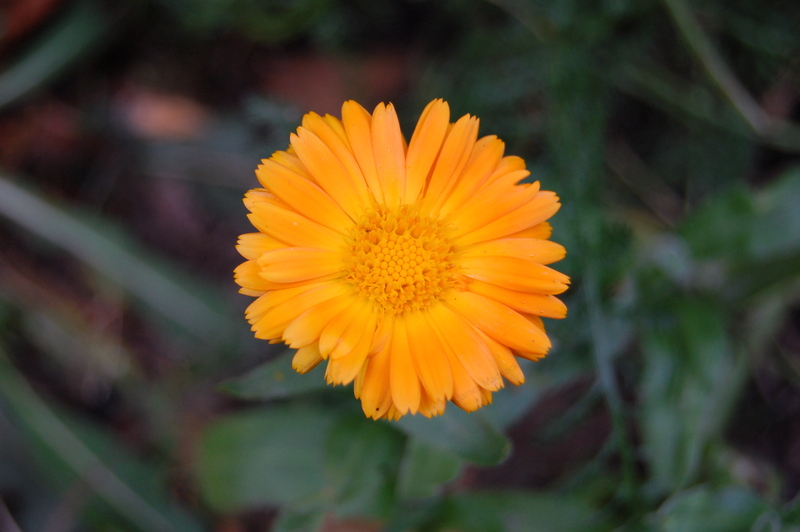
(415, 269)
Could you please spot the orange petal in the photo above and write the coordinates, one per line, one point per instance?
(358, 384)
(361, 329)
(328, 171)
(331, 132)
(515, 274)
(382, 335)
(393, 414)
(539, 304)
(292, 162)
(539, 209)
(252, 245)
(376, 397)
(509, 367)
(293, 228)
(430, 359)
(390, 157)
(482, 161)
(357, 124)
(257, 308)
(424, 147)
(460, 338)
(346, 368)
(247, 276)
(542, 231)
(541, 251)
(332, 333)
(251, 292)
(262, 195)
(303, 196)
(499, 322)
(493, 202)
(403, 377)
(275, 297)
(486, 397)
(453, 157)
(306, 329)
(466, 394)
(287, 265)
(429, 407)
(508, 164)
(306, 359)
(336, 125)
(275, 320)
(536, 320)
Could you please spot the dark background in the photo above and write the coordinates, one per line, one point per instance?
(132, 396)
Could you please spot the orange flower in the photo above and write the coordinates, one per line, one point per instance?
(416, 270)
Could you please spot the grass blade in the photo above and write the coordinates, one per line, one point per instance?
(115, 258)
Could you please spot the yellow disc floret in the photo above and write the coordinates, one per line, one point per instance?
(400, 260)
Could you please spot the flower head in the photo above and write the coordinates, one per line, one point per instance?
(416, 270)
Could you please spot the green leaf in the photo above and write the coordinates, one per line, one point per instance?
(773, 240)
(425, 469)
(748, 227)
(519, 511)
(688, 379)
(776, 231)
(307, 458)
(72, 450)
(720, 229)
(467, 435)
(701, 509)
(274, 380)
(362, 461)
(265, 456)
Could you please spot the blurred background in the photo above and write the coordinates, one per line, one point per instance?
(134, 398)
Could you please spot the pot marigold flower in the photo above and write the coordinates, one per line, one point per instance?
(415, 269)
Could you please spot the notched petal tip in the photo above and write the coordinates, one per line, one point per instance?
(306, 359)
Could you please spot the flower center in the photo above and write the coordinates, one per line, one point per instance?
(400, 260)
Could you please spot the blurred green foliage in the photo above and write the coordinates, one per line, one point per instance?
(274, 21)
(667, 128)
